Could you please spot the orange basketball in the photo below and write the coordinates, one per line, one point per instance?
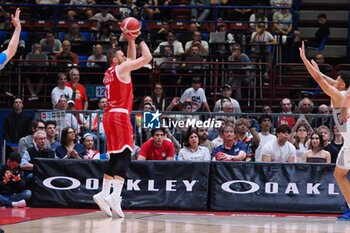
(131, 26)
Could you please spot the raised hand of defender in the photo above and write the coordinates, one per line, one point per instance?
(302, 51)
(16, 22)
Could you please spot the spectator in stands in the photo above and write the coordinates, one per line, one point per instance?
(50, 44)
(157, 148)
(79, 93)
(277, 3)
(158, 97)
(322, 32)
(230, 150)
(282, 20)
(16, 125)
(89, 145)
(240, 74)
(44, 12)
(193, 55)
(161, 34)
(167, 61)
(258, 16)
(279, 150)
(95, 126)
(266, 109)
(265, 122)
(113, 43)
(6, 23)
(71, 120)
(222, 50)
(155, 13)
(175, 44)
(338, 139)
(204, 11)
(299, 137)
(69, 148)
(39, 67)
(261, 40)
(241, 14)
(66, 55)
(228, 109)
(74, 33)
(197, 95)
(28, 141)
(326, 119)
(192, 151)
(12, 183)
(326, 135)
(286, 106)
(80, 12)
(217, 133)
(126, 8)
(97, 59)
(203, 138)
(246, 133)
(226, 92)
(188, 35)
(316, 153)
(197, 40)
(305, 108)
(61, 89)
(39, 150)
(148, 99)
(104, 33)
(51, 134)
(103, 17)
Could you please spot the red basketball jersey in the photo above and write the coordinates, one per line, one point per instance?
(118, 93)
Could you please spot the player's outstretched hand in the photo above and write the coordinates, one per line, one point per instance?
(16, 22)
(302, 51)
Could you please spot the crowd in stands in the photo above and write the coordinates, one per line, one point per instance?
(293, 136)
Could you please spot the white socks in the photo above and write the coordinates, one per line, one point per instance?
(117, 188)
(106, 187)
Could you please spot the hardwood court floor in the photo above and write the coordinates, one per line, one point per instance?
(178, 222)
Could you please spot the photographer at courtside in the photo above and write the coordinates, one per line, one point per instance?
(12, 183)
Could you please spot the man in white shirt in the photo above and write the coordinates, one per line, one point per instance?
(172, 41)
(280, 150)
(265, 122)
(61, 89)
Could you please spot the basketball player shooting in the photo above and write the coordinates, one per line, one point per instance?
(6, 55)
(116, 118)
(336, 90)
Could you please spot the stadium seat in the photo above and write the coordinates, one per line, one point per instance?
(322, 45)
(82, 60)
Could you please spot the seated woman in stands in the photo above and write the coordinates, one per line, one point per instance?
(69, 148)
(316, 154)
(192, 151)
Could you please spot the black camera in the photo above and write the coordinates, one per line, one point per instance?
(16, 171)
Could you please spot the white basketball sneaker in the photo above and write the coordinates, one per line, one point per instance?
(115, 204)
(19, 204)
(100, 201)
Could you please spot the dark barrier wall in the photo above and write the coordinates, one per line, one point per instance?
(274, 187)
(233, 186)
(150, 184)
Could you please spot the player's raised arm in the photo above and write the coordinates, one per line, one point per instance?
(317, 75)
(136, 64)
(131, 52)
(12, 47)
